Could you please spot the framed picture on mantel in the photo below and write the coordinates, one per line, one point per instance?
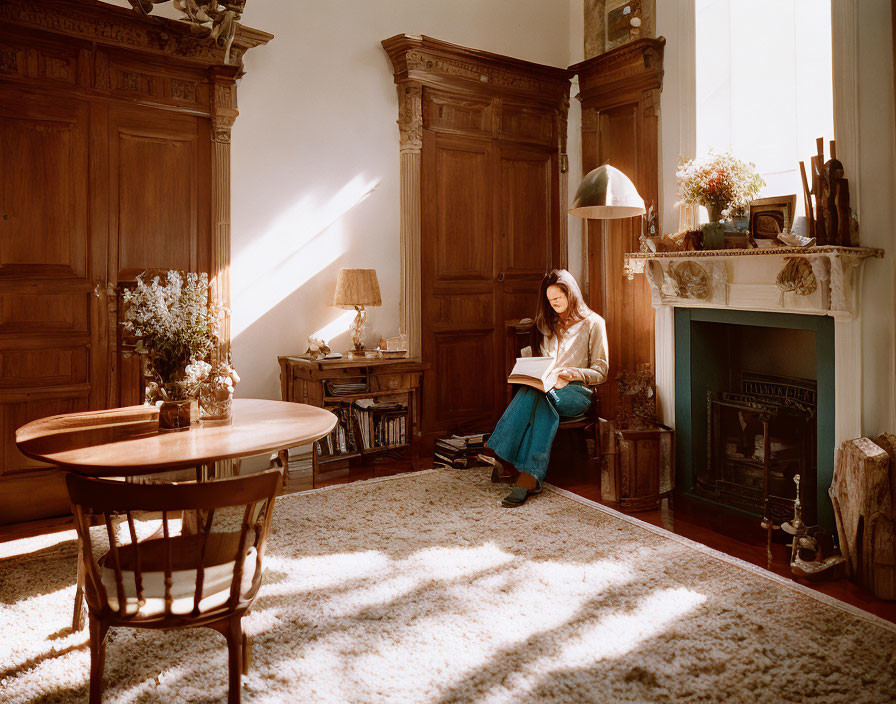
(769, 217)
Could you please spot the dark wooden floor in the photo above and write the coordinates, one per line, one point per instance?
(730, 533)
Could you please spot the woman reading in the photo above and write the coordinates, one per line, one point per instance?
(576, 338)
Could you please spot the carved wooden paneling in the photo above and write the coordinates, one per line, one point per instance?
(106, 169)
(460, 362)
(620, 126)
(44, 312)
(527, 210)
(456, 113)
(485, 218)
(462, 245)
(43, 143)
(526, 124)
(43, 367)
(15, 415)
(156, 192)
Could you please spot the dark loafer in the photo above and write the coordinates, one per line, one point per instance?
(518, 496)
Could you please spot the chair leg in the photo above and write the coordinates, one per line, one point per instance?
(78, 613)
(98, 630)
(247, 653)
(233, 632)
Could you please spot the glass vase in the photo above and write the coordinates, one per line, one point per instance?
(178, 415)
(215, 406)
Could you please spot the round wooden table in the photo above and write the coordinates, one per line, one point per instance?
(123, 442)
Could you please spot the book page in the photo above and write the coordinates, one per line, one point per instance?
(536, 367)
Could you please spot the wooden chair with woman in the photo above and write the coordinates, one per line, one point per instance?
(575, 337)
(207, 576)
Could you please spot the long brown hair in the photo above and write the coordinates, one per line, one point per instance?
(547, 321)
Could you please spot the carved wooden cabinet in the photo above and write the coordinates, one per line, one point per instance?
(620, 95)
(483, 202)
(114, 146)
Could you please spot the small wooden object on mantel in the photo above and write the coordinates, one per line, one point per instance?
(637, 467)
(830, 219)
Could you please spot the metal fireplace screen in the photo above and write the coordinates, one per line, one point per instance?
(757, 441)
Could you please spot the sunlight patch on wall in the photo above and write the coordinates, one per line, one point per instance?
(303, 241)
(342, 324)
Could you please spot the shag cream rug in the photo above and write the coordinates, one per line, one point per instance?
(420, 589)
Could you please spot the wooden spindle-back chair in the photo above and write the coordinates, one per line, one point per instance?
(204, 570)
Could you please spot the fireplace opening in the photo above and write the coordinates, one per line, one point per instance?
(754, 411)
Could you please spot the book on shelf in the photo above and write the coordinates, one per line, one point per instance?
(538, 372)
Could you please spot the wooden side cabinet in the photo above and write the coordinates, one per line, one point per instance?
(377, 402)
(637, 466)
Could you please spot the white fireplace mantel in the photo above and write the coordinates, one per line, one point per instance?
(828, 281)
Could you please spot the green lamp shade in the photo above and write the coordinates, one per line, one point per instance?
(606, 194)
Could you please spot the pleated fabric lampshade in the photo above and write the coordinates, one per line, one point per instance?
(606, 194)
(357, 287)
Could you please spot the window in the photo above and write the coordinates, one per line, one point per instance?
(764, 84)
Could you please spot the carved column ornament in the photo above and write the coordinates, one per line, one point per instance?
(410, 116)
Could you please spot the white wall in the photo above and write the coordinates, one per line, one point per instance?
(315, 171)
(575, 225)
(870, 170)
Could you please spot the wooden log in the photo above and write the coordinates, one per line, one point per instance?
(860, 492)
(882, 532)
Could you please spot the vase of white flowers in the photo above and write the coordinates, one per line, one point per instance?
(720, 182)
(174, 320)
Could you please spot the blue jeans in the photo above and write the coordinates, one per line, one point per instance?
(525, 433)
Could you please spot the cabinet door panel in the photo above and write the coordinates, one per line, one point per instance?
(458, 268)
(48, 315)
(43, 186)
(160, 204)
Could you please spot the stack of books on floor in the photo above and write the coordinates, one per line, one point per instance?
(460, 451)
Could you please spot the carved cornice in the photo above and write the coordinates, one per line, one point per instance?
(628, 69)
(427, 60)
(119, 27)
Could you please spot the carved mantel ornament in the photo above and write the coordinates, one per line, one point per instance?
(220, 18)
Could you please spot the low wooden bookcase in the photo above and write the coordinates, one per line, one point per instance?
(320, 382)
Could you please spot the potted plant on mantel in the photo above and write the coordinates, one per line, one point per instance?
(721, 183)
(175, 322)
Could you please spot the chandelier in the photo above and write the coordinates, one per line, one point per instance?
(220, 17)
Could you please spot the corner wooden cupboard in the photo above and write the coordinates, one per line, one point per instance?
(620, 95)
(483, 194)
(114, 158)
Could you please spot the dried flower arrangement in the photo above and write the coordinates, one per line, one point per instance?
(721, 182)
(175, 321)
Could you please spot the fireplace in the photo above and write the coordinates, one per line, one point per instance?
(797, 337)
(754, 406)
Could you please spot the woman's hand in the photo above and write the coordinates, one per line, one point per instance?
(570, 374)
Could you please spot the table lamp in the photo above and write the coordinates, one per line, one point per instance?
(607, 194)
(356, 288)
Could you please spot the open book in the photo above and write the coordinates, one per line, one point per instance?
(538, 372)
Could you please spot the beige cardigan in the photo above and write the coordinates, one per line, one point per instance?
(583, 347)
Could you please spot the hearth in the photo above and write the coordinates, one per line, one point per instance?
(755, 407)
